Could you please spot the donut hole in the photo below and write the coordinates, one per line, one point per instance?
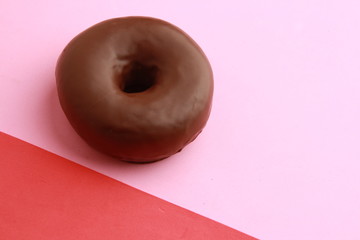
(137, 77)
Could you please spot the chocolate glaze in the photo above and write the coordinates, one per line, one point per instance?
(137, 88)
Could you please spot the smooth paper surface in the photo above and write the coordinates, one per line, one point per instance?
(280, 156)
(44, 196)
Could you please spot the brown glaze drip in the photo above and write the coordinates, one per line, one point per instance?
(136, 88)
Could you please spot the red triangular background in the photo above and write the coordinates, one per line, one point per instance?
(44, 196)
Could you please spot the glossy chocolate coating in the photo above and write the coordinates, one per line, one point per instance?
(137, 88)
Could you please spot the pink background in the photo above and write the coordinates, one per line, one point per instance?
(279, 158)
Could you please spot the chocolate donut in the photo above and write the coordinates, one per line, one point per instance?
(136, 88)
